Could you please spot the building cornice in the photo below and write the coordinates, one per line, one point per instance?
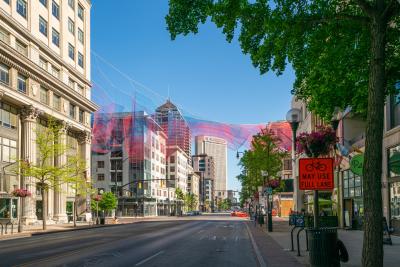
(24, 32)
(28, 68)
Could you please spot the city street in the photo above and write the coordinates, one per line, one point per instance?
(216, 240)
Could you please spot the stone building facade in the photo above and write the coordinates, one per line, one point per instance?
(44, 73)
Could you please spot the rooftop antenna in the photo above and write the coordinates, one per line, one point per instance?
(169, 98)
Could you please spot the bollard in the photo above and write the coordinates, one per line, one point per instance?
(1, 228)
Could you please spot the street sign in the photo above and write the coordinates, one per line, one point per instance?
(356, 164)
(316, 174)
(268, 190)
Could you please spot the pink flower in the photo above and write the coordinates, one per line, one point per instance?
(21, 193)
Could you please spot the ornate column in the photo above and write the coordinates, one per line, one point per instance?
(85, 139)
(60, 193)
(29, 115)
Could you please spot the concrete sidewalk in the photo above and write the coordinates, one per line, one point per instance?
(353, 241)
(270, 250)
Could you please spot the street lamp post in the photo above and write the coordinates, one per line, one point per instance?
(294, 118)
(269, 204)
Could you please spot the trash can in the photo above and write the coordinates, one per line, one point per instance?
(323, 247)
(102, 220)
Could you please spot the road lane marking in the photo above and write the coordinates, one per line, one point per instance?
(256, 249)
(150, 258)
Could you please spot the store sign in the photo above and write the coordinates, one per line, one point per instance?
(316, 174)
(357, 164)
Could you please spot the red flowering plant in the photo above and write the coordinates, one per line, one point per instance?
(97, 198)
(21, 193)
(274, 183)
(317, 143)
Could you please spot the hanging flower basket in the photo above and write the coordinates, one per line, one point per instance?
(97, 198)
(317, 143)
(274, 183)
(21, 193)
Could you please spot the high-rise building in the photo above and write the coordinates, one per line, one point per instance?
(170, 118)
(133, 166)
(216, 148)
(44, 72)
(205, 167)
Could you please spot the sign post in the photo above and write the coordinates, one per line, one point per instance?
(316, 174)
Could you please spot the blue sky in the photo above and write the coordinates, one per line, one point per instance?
(207, 76)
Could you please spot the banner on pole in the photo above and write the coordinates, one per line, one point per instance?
(316, 174)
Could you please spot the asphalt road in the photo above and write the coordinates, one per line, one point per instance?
(202, 241)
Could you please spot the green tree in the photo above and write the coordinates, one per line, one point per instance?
(344, 53)
(78, 182)
(265, 155)
(190, 201)
(108, 202)
(179, 194)
(44, 170)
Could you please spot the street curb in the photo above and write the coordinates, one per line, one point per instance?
(76, 229)
(255, 247)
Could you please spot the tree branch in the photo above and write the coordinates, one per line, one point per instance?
(366, 7)
(391, 9)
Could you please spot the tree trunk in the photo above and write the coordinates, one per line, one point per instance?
(74, 212)
(372, 194)
(43, 191)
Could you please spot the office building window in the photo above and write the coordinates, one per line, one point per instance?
(71, 26)
(172, 159)
(21, 8)
(7, 2)
(56, 37)
(57, 102)
(394, 161)
(21, 85)
(71, 3)
(80, 12)
(44, 95)
(100, 177)
(55, 72)
(55, 9)
(4, 36)
(9, 150)
(72, 111)
(42, 63)
(4, 74)
(80, 35)
(8, 116)
(80, 59)
(71, 51)
(44, 2)
(43, 26)
(81, 115)
(21, 48)
(100, 164)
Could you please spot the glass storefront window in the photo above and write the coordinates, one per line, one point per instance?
(395, 200)
(8, 211)
(352, 185)
(394, 161)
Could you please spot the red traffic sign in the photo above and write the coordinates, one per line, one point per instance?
(316, 174)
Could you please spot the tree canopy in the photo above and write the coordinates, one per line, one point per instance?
(261, 163)
(327, 43)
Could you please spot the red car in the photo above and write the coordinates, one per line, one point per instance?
(241, 214)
